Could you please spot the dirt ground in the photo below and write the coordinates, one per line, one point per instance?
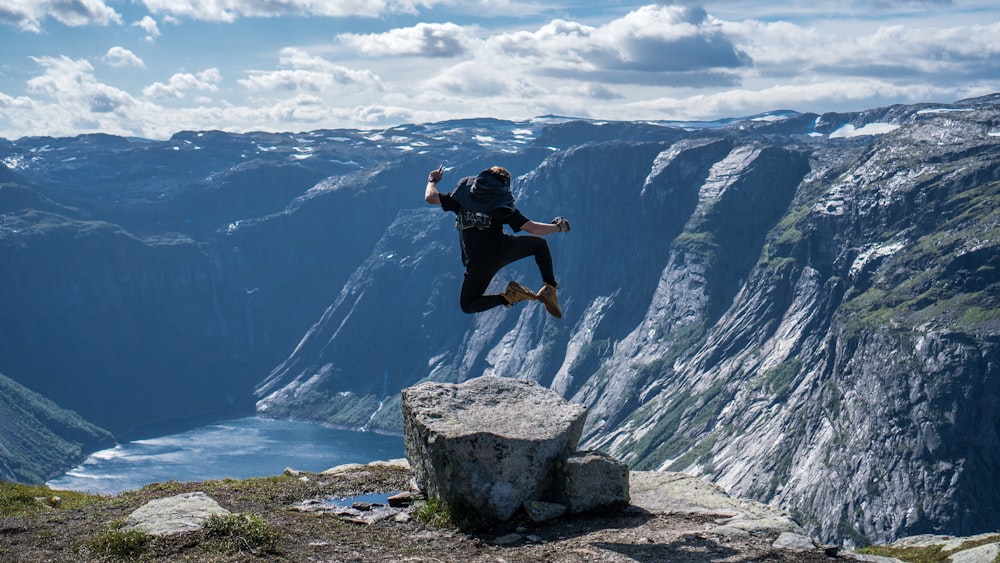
(630, 534)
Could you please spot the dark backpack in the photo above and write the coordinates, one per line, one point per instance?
(484, 193)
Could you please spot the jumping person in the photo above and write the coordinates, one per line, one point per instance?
(482, 205)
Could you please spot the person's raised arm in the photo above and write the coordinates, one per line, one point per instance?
(558, 225)
(431, 195)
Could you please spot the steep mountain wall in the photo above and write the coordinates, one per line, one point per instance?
(38, 439)
(807, 318)
(849, 379)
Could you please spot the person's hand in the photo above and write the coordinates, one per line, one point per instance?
(436, 174)
(562, 223)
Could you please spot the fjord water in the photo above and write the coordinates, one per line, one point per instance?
(241, 448)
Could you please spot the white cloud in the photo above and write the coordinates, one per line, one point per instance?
(28, 14)
(148, 25)
(71, 83)
(310, 74)
(818, 96)
(181, 82)
(670, 38)
(458, 81)
(423, 40)
(231, 10)
(649, 62)
(119, 56)
(682, 45)
(898, 52)
(66, 99)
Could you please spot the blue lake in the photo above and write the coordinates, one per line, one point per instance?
(241, 448)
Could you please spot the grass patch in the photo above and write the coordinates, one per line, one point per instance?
(926, 554)
(974, 315)
(242, 533)
(22, 500)
(118, 544)
(697, 243)
(438, 513)
(258, 489)
(434, 512)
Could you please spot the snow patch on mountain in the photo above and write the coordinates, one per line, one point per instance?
(849, 131)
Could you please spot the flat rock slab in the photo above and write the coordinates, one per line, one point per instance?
(357, 514)
(667, 492)
(513, 408)
(173, 515)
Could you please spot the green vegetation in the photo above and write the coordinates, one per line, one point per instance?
(433, 512)
(242, 533)
(23, 500)
(975, 315)
(388, 418)
(699, 243)
(341, 410)
(700, 453)
(879, 308)
(118, 544)
(681, 340)
(832, 398)
(929, 554)
(667, 423)
(789, 229)
(785, 239)
(779, 380)
(258, 489)
(944, 275)
(440, 514)
(590, 354)
(38, 438)
(697, 411)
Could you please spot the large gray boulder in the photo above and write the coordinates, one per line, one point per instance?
(489, 444)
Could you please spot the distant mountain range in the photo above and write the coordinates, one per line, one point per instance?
(801, 308)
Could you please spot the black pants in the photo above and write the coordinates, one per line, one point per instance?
(480, 271)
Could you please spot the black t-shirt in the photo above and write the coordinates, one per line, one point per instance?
(484, 242)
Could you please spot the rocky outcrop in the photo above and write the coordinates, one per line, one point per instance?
(670, 516)
(590, 479)
(173, 515)
(488, 446)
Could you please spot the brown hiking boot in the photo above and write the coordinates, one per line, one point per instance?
(516, 293)
(547, 295)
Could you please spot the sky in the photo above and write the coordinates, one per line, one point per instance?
(151, 68)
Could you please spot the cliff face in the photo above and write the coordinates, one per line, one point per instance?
(38, 439)
(849, 379)
(805, 317)
(119, 328)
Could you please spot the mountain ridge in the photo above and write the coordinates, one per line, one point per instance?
(737, 297)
